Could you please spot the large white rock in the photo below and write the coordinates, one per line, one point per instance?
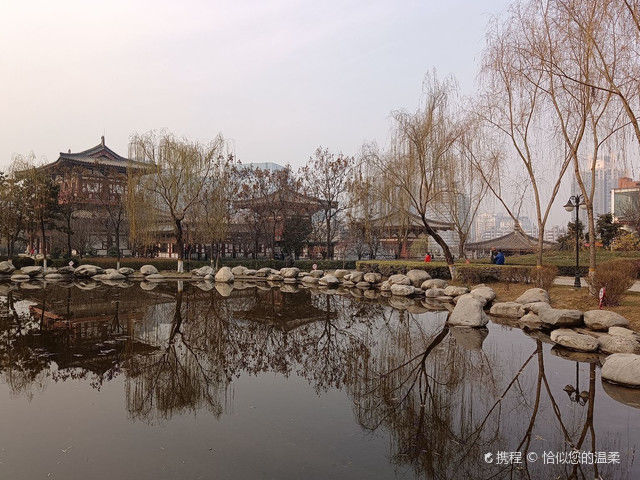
(401, 290)
(290, 272)
(148, 270)
(126, 271)
(239, 270)
(603, 319)
(484, 294)
(32, 271)
(468, 312)
(622, 368)
(329, 280)
(275, 277)
(399, 279)
(203, 271)
(417, 276)
(263, 272)
(507, 309)
(155, 277)
(623, 332)
(7, 267)
(574, 340)
(372, 277)
(434, 293)
(310, 280)
(356, 277)
(340, 272)
(20, 277)
(88, 271)
(618, 344)
(317, 273)
(534, 307)
(455, 291)
(385, 286)
(534, 295)
(560, 317)
(434, 283)
(224, 275)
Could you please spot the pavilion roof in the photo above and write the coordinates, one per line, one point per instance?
(98, 155)
(516, 240)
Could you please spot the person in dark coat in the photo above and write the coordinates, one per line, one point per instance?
(493, 255)
(500, 258)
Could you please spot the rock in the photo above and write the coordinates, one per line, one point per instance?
(224, 275)
(506, 309)
(622, 368)
(52, 277)
(469, 338)
(209, 278)
(400, 302)
(530, 320)
(454, 291)
(433, 283)
(110, 274)
(363, 285)
(31, 271)
(309, 279)
(144, 285)
(417, 277)
(603, 319)
(385, 286)
(275, 277)
(574, 340)
(399, 279)
(468, 312)
(401, 289)
(155, 277)
(534, 307)
(484, 294)
(126, 271)
(289, 272)
(625, 395)
(250, 272)
(560, 317)
(356, 277)
(434, 293)
(7, 267)
(224, 289)
(202, 271)
(238, 270)
(290, 280)
(317, 273)
(288, 288)
(347, 283)
(339, 273)
(148, 270)
(66, 270)
(534, 295)
(618, 344)
(372, 277)
(622, 332)
(329, 280)
(574, 355)
(263, 272)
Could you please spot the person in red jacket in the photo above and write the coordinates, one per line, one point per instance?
(427, 257)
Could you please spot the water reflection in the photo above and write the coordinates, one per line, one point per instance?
(443, 396)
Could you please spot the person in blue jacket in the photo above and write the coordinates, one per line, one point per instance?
(500, 258)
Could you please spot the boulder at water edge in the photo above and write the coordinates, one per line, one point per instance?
(623, 332)
(84, 271)
(618, 344)
(329, 281)
(401, 290)
(310, 280)
(126, 271)
(148, 270)
(316, 273)
(399, 279)
(534, 295)
(340, 272)
(7, 267)
(417, 276)
(603, 319)
(239, 270)
(31, 271)
(454, 291)
(372, 277)
(560, 317)
(203, 271)
(484, 294)
(290, 272)
(534, 307)
(574, 340)
(224, 275)
(507, 309)
(434, 293)
(433, 283)
(20, 277)
(622, 368)
(468, 312)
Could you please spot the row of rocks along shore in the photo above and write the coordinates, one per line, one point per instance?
(599, 335)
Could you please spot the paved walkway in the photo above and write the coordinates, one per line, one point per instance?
(569, 281)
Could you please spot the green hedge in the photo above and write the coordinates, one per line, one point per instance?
(391, 267)
(20, 262)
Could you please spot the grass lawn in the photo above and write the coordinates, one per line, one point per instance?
(568, 258)
(579, 299)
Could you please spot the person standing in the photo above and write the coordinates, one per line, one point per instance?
(427, 257)
(499, 258)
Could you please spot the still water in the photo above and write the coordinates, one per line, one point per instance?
(145, 381)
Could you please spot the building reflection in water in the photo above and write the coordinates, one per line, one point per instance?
(443, 396)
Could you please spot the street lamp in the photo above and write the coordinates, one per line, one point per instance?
(575, 202)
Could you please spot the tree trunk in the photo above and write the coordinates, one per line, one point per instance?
(540, 245)
(43, 245)
(180, 242)
(443, 245)
(118, 246)
(329, 249)
(592, 246)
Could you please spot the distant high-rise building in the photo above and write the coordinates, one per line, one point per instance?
(607, 173)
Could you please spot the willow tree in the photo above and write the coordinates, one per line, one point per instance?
(415, 167)
(166, 183)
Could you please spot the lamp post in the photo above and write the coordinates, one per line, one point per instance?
(575, 202)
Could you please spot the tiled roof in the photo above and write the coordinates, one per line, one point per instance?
(516, 240)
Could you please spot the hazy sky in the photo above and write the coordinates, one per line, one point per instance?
(277, 78)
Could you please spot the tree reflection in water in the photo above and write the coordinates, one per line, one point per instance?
(443, 399)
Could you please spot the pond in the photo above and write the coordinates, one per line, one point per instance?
(188, 381)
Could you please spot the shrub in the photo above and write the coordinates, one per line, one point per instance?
(626, 242)
(391, 267)
(616, 277)
(474, 274)
(20, 262)
(543, 276)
